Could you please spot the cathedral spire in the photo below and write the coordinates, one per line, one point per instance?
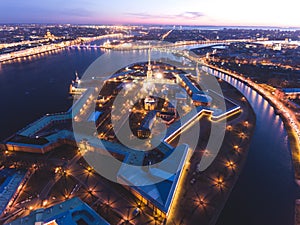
(149, 71)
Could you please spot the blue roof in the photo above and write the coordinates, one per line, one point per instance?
(291, 90)
(94, 116)
(190, 84)
(159, 183)
(12, 180)
(201, 98)
(68, 212)
(148, 120)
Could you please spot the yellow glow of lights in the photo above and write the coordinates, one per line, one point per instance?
(242, 135)
(230, 164)
(159, 75)
(218, 182)
(45, 202)
(202, 202)
(229, 128)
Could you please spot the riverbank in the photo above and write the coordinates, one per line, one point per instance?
(25, 54)
(204, 194)
(282, 112)
(284, 162)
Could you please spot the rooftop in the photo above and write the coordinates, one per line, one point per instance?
(194, 89)
(71, 212)
(158, 183)
(11, 181)
(201, 98)
(291, 90)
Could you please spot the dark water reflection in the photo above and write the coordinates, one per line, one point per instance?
(265, 192)
(29, 89)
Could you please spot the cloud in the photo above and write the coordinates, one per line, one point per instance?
(184, 15)
(191, 15)
(77, 12)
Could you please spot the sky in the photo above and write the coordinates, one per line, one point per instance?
(172, 12)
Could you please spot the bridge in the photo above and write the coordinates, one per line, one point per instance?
(162, 46)
(87, 46)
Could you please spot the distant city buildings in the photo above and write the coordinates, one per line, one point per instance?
(274, 63)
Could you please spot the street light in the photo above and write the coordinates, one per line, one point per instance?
(230, 164)
(229, 128)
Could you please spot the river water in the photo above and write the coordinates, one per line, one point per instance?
(30, 89)
(265, 192)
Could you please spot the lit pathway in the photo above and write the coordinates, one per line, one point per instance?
(45, 192)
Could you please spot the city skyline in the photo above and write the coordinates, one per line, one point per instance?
(213, 13)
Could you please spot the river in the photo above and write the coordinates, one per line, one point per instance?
(265, 192)
(30, 89)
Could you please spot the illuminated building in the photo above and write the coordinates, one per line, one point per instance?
(75, 88)
(150, 103)
(145, 129)
(201, 100)
(70, 212)
(290, 93)
(12, 183)
(49, 35)
(158, 195)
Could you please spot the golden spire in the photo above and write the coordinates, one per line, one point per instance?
(149, 71)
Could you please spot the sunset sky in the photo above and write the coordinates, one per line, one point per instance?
(173, 12)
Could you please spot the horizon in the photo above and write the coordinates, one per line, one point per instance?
(179, 12)
(158, 25)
